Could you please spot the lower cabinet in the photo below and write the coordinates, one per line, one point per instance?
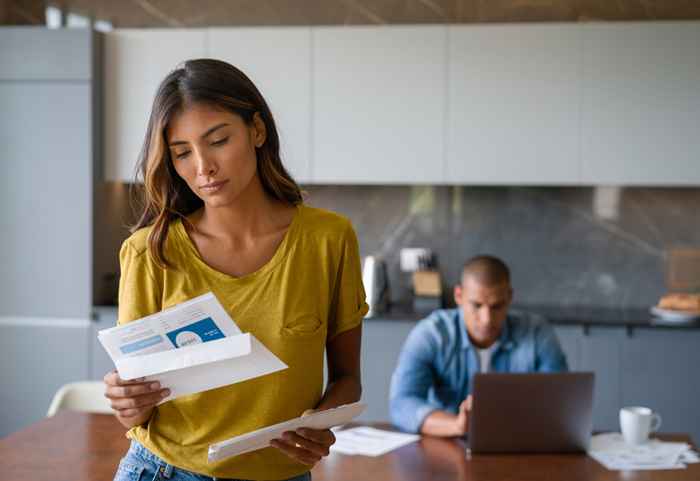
(659, 370)
(100, 362)
(39, 356)
(600, 353)
(652, 367)
(381, 345)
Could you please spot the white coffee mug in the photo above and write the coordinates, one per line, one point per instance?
(636, 423)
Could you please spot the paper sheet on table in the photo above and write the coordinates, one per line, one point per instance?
(191, 347)
(611, 451)
(366, 441)
(261, 438)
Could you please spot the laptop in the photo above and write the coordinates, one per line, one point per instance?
(531, 413)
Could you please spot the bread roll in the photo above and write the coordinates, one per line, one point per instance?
(680, 302)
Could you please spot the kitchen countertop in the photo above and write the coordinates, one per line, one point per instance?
(586, 316)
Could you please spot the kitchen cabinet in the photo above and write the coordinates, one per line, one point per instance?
(278, 61)
(39, 356)
(514, 94)
(536, 104)
(49, 145)
(381, 345)
(50, 136)
(378, 104)
(100, 362)
(659, 369)
(600, 353)
(135, 62)
(640, 103)
(38, 54)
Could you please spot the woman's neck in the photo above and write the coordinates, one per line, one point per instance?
(253, 214)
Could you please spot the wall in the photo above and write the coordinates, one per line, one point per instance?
(569, 246)
(566, 246)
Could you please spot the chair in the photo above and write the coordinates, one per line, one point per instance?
(85, 396)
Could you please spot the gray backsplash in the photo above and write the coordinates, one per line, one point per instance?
(566, 246)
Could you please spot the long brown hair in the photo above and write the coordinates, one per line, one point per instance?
(165, 195)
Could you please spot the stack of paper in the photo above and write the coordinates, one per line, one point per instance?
(188, 348)
(366, 441)
(614, 453)
(261, 438)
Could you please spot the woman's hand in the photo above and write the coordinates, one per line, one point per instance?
(133, 401)
(305, 445)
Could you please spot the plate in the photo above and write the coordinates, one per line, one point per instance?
(680, 317)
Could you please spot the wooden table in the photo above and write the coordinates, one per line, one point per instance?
(87, 447)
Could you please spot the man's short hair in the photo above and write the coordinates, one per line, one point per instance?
(486, 270)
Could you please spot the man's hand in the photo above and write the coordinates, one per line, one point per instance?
(305, 445)
(462, 419)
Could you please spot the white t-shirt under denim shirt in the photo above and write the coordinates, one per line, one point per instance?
(485, 357)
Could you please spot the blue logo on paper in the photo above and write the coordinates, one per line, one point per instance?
(201, 331)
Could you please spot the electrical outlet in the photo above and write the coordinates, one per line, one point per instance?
(409, 257)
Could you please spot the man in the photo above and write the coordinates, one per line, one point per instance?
(431, 386)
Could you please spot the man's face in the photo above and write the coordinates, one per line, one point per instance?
(485, 309)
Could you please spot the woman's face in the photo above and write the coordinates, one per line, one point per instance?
(213, 150)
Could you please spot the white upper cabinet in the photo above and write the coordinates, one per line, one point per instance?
(378, 104)
(517, 104)
(136, 61)
(514, 93)
(641, 104)
(278, 61)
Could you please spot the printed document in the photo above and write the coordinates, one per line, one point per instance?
(366, 441)
(191, 347)
(261, 438)
(611, 450)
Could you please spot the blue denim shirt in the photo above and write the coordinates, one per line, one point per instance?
(437, 363)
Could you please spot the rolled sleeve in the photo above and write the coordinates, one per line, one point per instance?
(349, 306)
(412, 379)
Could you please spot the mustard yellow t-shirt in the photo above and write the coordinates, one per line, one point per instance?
(310, 291)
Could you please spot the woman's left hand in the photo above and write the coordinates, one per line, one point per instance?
(305, 445)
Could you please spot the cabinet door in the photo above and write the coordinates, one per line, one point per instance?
(100, 362)
(641, 104)
(278, 61)
(513, 104)
(660, 370)
(381, 344)
(39, 356)
(570, 341)
(600, 353)
(45, 199)
(136, 61)
(378, 105)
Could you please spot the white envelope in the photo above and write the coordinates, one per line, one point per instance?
(201, 367)
(261, 438)
(191, 347)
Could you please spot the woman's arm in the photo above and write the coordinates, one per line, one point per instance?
(344, 379)
(308, 446)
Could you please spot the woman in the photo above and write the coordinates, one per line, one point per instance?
(222, 214)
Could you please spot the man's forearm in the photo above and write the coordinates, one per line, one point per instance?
(441, 423)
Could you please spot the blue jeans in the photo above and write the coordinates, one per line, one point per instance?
(140, 464)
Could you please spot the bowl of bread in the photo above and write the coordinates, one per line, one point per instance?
(678, 307)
